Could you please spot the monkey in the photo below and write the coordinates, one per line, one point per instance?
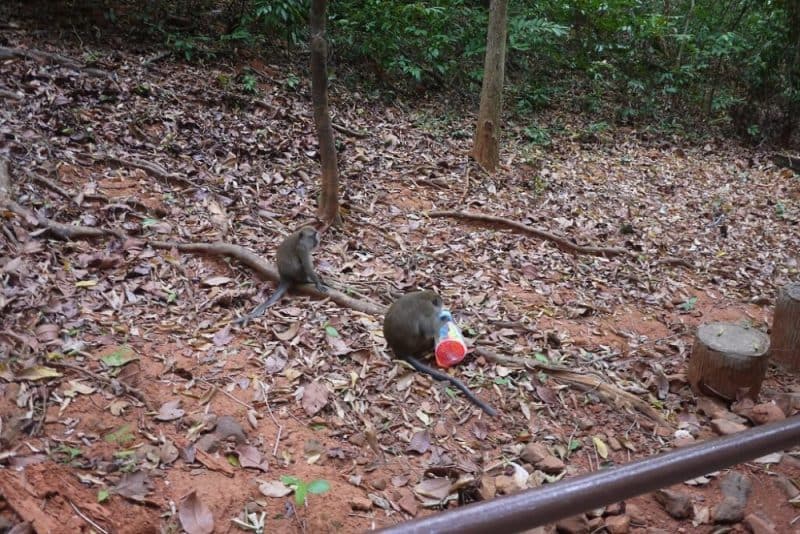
(294, 267)
(409, 328)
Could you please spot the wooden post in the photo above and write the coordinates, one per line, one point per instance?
(728, 360)
(785, 333)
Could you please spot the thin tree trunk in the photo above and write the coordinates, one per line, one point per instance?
(328, 210)
(486, 145)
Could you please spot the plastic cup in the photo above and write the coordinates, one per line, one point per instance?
(450, 346)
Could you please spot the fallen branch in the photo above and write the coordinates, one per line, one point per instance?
(252, 260)
(11, 95)
(151, 168)
(129, 390)
(611, 394)
(353, 133)
(38, 55)
(97, 197)
(787, 161)
(561, 242)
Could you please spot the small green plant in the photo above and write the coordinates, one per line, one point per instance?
(71, 452)
(301, 489)
(689, 304)
(291, 81)
(250, 83)
(537, 135)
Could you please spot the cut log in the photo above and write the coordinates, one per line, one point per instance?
(728, 360)
(785, 334)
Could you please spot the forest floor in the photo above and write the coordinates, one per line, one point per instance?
(116, 357)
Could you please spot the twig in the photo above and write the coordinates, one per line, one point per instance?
(672, 260)
(86, 518)
(155, 57)
(130, 390)
(97, 197)
(466, 186)
(612, 394)
(272, 416)
(227, 394)
(153, 169)
(68, 62)
(5, 179)
(11, 95)
(345, 130)
(561, 242)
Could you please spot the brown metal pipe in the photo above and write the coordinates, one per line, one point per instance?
(547, 504)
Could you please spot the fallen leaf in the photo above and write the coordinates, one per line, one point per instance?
(420, 442)
(169, 411)
(289, 333)
(249, 456)
(214, 281)
(274, 488)
(37, 372)
(195, 516)
(315, 397)
(133, 486)
(436, 488)
(600, 447)
(120, 357)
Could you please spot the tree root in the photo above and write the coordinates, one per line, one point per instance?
(611, 394)
(151, 168)
(38, 55)
(561, 242)
(248, 258)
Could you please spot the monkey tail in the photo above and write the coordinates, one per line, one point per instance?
(261, 308)
(439, 375)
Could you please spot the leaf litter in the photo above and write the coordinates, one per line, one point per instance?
(133, 318)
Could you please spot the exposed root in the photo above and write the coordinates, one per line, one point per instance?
(561, 242)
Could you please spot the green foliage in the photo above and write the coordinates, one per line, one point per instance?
(302, 489)
(537, 135)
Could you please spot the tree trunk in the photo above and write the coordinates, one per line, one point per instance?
(786, 328)
(486, 145)
(328, 209)
(728, 361)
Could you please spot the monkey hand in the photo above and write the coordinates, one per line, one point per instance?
(321, 287)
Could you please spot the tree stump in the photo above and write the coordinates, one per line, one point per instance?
(785, 334)
(728, 360)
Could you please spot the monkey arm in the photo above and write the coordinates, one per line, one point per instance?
(311, 275)
(439, 375)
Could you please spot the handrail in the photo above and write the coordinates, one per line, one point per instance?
(547, 504)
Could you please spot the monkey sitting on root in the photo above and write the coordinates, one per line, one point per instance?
(409, 328)
(294, 268)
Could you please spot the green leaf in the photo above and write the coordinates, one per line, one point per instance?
(149, 222)
(331, 331)
(300, 494)
(120, 357)
(689, 304)
(541, 357)
(318, 487)
(121, 436)
(102, 495)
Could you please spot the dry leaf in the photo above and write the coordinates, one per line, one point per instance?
(195, 516)
(436, 488)
(420, 442)
(249, 456)
(169, 411)
(274, 488)
(315, 397)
